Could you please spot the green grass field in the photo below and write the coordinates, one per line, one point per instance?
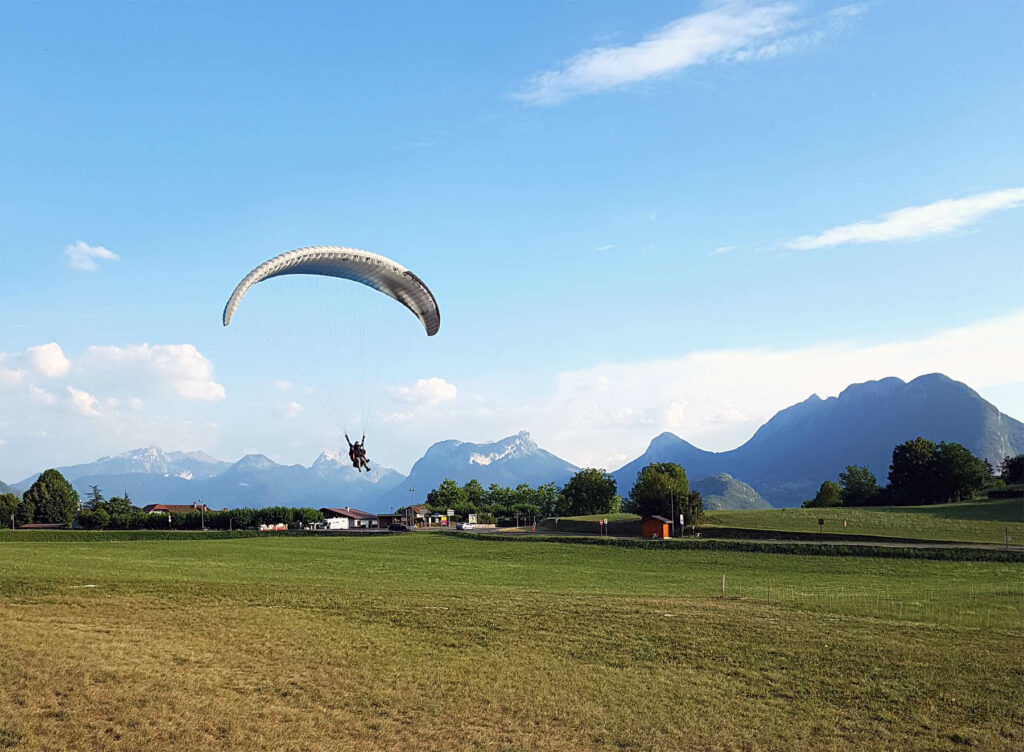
(424, 642)
(973, 522)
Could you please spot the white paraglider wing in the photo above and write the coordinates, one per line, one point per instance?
(370, 269)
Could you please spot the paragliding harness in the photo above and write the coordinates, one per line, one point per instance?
(357, 453)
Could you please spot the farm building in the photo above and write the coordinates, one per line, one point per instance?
(655, 527)
(348, 518)
(177, 508)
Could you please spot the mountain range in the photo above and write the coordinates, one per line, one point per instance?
(784, 462)
(508, 462)
(790, 455)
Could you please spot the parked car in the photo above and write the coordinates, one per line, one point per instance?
(465, 526)
(398, 527)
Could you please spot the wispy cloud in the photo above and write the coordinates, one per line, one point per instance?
(722, 250)
(83, 256)
(733, 31)
(606, 247)
(915, 222)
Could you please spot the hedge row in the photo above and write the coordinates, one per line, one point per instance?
(882, 552)
(99, 536)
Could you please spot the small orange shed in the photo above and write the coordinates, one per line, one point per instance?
(654, 527)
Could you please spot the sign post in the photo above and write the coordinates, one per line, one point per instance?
(821, 527)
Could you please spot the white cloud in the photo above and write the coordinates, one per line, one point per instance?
(136, 404)
(606, 247)
(83, 402)
(427, 392)
(179, 368)
(915, 222)
(83, 256)
(282, 385)
(733, 31)
(722, 250)
(49, 360)
(291, 410)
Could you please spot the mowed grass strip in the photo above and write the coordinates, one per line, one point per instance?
(969, 522)
(423, 642)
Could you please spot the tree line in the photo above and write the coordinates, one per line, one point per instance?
(661, 488)
(51, 499)
(922, 472)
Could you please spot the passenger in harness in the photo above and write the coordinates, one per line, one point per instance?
(357, 453)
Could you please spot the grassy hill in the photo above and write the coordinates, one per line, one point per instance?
(975, 521)
(422, 642)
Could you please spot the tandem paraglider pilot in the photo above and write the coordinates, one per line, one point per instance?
(357, 453)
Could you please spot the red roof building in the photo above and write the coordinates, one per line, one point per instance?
(177, 508)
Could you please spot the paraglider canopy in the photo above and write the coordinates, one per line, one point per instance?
(371, 269)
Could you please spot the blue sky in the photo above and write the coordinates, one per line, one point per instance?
(636, 217)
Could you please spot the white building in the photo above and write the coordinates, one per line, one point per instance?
(348, 518)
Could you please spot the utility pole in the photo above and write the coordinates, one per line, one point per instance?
(202, 515)
(672, 510)
(409, 518)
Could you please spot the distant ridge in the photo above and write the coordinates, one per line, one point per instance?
(789, 456)
(508, 462)
(784, 462)
(722, 491)
(152, 476)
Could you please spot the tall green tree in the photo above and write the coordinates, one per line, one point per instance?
(830, 494)
(476, 495)
(911, 475)
(26, 512)
(448, 495)
(1011, 469)
(547, 499)
(118, 505)
(8, 505)
(858, 485)
(694, 510)
(95, 498)
(959, 475)
(590, 491)
(662, 488)
(53, 498)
